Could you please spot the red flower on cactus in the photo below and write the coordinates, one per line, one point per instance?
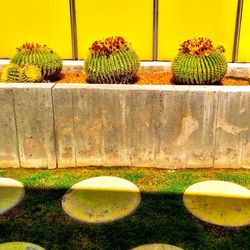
(32, 47)
(197, 46)
(108, 45)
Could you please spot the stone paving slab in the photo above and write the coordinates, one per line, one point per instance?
(219, 202)
(101, 199)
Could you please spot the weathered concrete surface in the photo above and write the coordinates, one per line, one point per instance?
(202, 108)
(88, 116)
(64, 127)
(116, 128)
(173, 133)
(8, 138)
(145, 123)
(231, 127)
(35, 125)
(124, 125)
(245, 137)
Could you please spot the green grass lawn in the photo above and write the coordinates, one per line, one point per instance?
(160, 218)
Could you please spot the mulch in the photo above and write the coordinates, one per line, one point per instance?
(155, 78)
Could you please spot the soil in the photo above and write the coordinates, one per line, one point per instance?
(149, 78)
(155, 78)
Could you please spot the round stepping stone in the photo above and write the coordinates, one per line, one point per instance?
(157, 247)
(20, 246)
(101, 199)
(219, 202)
(11, 193)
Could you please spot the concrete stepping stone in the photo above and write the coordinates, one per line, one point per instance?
(11, 193)
(20, 246)
(219, 202)
(157, 247)
(101, 199)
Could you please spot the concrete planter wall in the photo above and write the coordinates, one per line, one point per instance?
(73, 125)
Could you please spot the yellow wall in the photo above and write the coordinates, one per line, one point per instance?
(244, 48)
(132, 19)
(42, 21)
(48, 22)
(182, 19)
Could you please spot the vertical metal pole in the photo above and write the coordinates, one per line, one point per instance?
(155, 30)
(237, 30)
(73, 29)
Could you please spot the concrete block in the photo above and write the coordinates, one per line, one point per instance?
(174, 130)
(116, 128)
(9, 156)
(88, 123)
(201, 125)
(70, 125)
(145, 112)
(64, 126)
(230, 129)
(245, 123)
(35, 125)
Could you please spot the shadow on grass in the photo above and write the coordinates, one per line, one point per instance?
(160, 218)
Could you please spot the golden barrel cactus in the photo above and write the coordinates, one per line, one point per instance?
(198, 62)
(111, 61)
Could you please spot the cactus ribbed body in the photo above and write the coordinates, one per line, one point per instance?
(119, 65)
(46, 59)
(11, 73)
(31, 73)
(199, 65)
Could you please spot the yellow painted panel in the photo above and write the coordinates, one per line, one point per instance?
(44, 21)
(100, 19)
(181, 20)
(244, 48)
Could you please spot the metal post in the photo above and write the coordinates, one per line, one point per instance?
(237, 30)
(73, 29)
(155, 30)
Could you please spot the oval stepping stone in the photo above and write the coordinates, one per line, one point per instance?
(101, 199)
(11, 193)
(219, 202)
(20, 246)
(157, 247)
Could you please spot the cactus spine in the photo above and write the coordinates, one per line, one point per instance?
(46, 59)
(198, 62)
(111, 61)
(14, 73)
(11, 73)
(31, 73)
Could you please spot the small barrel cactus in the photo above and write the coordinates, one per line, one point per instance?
(111, 61)
(198, 62)
(31, 73)
(11, 73)
(46, 59)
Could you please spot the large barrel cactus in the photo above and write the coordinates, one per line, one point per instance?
(46, 59)
(198, 62)
(111, 61)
